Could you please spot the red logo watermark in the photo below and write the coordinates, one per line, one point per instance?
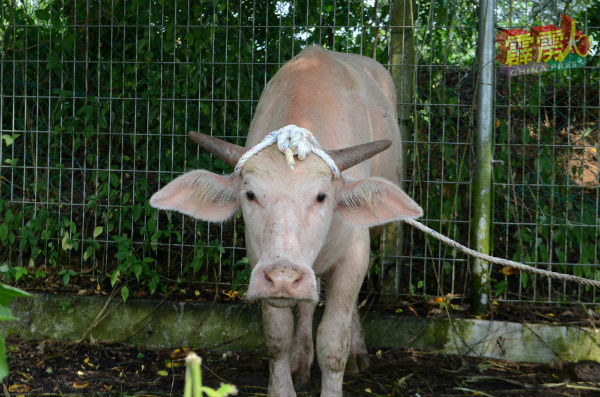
(542, 48)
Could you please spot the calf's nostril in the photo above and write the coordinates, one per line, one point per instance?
(269, 280)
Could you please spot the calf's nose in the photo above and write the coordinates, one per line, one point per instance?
(282, 280)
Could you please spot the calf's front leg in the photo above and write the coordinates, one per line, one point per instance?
(334, 332)
(302, 350)
(278, 325)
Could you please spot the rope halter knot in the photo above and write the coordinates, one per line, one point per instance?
(292, 141)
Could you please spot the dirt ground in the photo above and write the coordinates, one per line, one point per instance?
(50, 368)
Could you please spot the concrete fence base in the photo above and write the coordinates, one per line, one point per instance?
(222, 327)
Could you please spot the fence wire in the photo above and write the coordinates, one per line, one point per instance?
(97, 98)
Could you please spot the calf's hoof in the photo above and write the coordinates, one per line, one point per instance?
(357, 363)
(301, 382)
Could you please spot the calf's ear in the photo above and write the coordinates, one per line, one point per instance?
(200, 194)
(374, 201)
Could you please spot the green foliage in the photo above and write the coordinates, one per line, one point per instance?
(7, 294)
(96, 110)
(241, 271)
(97, 100)
(548, 180)
(545, 175)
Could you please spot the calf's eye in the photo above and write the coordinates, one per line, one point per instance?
(321, 197)
(250, 195)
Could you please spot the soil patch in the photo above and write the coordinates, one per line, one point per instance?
(52, 368)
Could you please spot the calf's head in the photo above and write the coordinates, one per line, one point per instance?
(288, 213)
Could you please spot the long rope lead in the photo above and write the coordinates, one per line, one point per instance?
(502, 261)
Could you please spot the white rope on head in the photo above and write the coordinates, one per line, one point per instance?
(292, 141)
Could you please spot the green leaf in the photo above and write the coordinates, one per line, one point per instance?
(98, 231)
(524, 279)
(3, 232)
(136, 212)
(88, 253)
(10, 139)
(114, 277)
(6, 314)
(137, 270)
(66, 243)
(39, 273)
(43, 14)
(124, 293)
(66, 275)
(20, 271)
(223, 391)
(3, 364)
(560, 254)
(114, 180)
(8, 293)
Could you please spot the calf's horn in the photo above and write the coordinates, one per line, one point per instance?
(343, 158)
(352, 155)
(228, 152)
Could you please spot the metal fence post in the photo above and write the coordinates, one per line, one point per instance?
(402, 69)
(482, 182)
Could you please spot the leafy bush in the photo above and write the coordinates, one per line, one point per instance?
(7, 294)
(97, 100)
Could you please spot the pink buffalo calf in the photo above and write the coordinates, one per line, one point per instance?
(305, 224)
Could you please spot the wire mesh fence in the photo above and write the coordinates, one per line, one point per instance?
(548, 181)
(97, 98)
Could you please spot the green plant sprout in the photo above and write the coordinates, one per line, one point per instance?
(193, 381)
